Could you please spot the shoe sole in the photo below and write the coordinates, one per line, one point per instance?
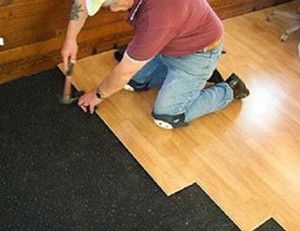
(127, 87)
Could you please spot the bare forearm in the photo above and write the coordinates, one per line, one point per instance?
(120, 75)
(114, 82)
(78, 16)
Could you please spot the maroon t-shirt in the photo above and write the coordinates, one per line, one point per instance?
(172, 27)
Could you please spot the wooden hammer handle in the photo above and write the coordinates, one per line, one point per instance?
(68, 84)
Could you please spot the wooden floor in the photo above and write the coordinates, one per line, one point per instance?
(246, 157)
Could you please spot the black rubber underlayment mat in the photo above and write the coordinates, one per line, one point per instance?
(270, 225)
(61, 169)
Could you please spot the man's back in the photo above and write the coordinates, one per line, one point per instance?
(172, 27)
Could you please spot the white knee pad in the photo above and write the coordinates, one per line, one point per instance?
(169, 121)
(163, 124)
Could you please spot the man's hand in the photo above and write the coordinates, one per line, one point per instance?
(69, 52)
(89, 100)
(114, 82)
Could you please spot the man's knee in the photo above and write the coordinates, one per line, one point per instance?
(169, 121)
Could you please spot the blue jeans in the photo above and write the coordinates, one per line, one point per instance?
(181, 82)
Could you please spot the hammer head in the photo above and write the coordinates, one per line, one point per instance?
(67, 100)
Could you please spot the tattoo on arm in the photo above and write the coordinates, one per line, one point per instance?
(75, 10)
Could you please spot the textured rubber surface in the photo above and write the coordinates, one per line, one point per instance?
(62, 169)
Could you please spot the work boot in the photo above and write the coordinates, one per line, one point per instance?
(239, 88)
(119, 53)
(216, 77)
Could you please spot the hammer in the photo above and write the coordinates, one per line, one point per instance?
(67, 97)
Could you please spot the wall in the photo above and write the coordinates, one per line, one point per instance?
(34, 31)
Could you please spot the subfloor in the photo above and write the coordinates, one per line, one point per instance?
(245, 157)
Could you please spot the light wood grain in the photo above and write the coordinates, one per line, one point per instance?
(247, 156)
